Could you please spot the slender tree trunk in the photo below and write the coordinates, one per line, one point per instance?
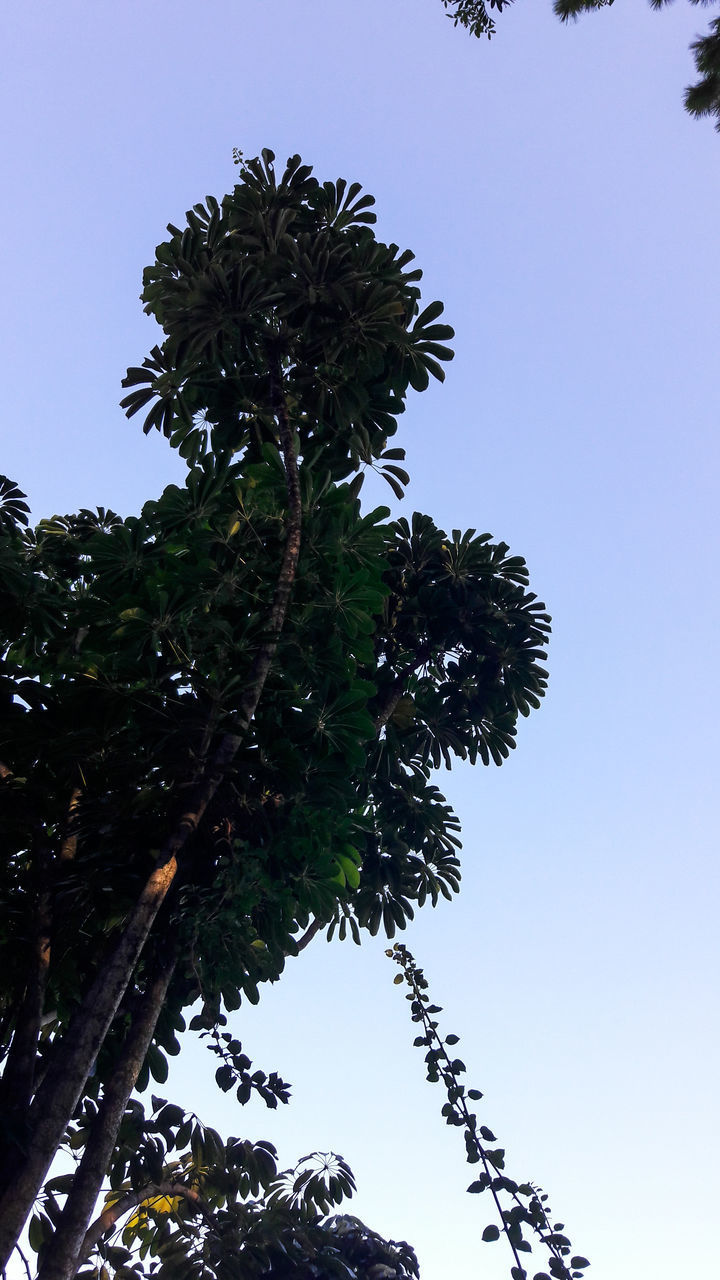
(73, 1060)
(63, 1253)
(60, 1091)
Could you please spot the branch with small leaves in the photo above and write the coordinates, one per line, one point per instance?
(474, 16)
(235, 1073)
(527, 1205)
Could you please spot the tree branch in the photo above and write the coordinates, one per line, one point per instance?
(309, 934)
(109, 1216)
(24, 1260)
(396, 690)
(68, 848)
(392, 696)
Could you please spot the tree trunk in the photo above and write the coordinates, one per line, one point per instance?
(57, 1097)
(63, 1252)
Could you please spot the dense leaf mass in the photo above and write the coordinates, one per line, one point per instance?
(185, 1205)
(132, 642)
(219, 718)
(291, 264)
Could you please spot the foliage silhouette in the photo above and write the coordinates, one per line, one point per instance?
(701, 98)
(528, 1204)
(219, 719)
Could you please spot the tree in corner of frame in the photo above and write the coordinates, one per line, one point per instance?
(219, 721)
(700, 99)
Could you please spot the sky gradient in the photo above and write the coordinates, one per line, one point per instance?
(565, 209)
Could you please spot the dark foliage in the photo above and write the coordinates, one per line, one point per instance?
(219, 719)
(524, 1217)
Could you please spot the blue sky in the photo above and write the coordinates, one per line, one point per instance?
(565, 209)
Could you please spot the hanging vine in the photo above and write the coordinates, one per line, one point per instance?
(522, 1208)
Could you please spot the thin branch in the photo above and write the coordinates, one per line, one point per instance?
(396, 690)
(457, 1098)
(68, 848)
(110, 1215)
(392, 696)
(25, 1262)
(309, 934)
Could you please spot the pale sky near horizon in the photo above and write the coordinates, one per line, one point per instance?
(565, 209)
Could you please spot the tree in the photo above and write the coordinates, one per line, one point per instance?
(219, 718)
(701, 98)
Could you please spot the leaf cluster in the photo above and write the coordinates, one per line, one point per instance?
(285, 270)
(183, 1205)
(473, 15)
(520, 1207)
(128, 645)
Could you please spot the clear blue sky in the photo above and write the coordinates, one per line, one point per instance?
(566, 211)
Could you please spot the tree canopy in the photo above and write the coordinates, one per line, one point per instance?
(701, 98)
(219, 721)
